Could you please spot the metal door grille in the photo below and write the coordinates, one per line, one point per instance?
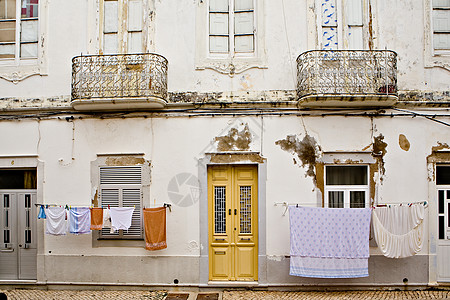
(220, 222)
(245, 200)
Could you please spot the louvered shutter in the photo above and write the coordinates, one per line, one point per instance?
(122, 187)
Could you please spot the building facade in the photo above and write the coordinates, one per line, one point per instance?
(230, 111)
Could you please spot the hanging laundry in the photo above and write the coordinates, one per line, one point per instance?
(155, 228)
(121, 217)
(56, 223)
(398, 229)
(79, 220)
(106, 218)
(96, 218)
(41, 214)
(329, 242)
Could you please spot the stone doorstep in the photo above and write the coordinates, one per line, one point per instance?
(193, 296)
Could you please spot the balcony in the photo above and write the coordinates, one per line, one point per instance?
(347, 78)
(119, 82)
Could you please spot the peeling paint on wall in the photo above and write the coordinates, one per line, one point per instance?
(235, 140)
(222, 158)
(403, 142)
(124, 161)
(379, 151)
(307, 150)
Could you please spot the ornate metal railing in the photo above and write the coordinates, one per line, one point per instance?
(347, 72)
(119, 76)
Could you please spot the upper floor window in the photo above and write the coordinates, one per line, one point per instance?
(122, 26)
(232, 26)
(19, 29)
(346, 186)
(230, 35)
(441, 24)
(342, 24)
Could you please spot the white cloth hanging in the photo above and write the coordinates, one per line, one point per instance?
(399, 229)
(121, 217)
(56, 223)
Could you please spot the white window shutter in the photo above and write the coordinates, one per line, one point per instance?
(109, 197)
(110, 17)
(243, 23)
(441, 41)
(243, 5)
(354, 13)
(218, 43)
(135, 15)
(441, 20)
(218, 5)
(132, 198)
(218, 24)
(135, 42)
(244, 43)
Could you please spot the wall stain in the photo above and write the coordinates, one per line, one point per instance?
(235, 140)
(379, 151)
(403, 142)
(124, 161)
(307, 150)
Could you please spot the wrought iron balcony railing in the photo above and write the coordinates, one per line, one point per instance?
(122, 76)
(346, 73)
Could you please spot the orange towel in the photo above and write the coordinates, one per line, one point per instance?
(155, 228)
(96, 218)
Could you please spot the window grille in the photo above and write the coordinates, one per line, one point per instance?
(220, 209)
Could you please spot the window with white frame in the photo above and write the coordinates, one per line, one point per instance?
(346, 186)
(441, 24)
(342, 24)
(121, 186)
(19, 29)
(230, 35)
(122, 27)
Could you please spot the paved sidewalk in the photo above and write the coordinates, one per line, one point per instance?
(226, 295)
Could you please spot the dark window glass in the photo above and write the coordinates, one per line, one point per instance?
(357, 199)
(17, 179)
(441, 227)
(346, 175)
(443, 175)
(335, 199)
(441, 201)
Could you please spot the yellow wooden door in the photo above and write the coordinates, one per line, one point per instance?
(232, 206)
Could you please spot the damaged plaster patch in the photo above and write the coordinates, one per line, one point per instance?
(307, 150)
(379, 151)
(124, 161)
(403, 142)
(235, 140)
(219, 158)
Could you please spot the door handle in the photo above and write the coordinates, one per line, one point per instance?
(229, 211)
(7, 250)
(235, 211)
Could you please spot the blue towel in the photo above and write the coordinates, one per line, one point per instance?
(79, 220)
(41, 214)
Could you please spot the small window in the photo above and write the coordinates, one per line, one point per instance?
(443, 175)
(122, 187)
(346, 186)
(441, 24)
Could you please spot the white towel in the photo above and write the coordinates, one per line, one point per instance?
(121, 217)
(399, 229)
(56, 223)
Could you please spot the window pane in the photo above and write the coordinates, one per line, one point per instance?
(329, 38)
(8, 32)
(218, 5)
(110, 17)
(243, 23)
(441, 3)
(441, 202)
(7, 51)
(441, 41)
(245, 202)
(7, 9)
(29, 9)
(110, 43)
(28, 50)
(441, 227)
(135, 42)
(357, 199)
(218, 24)
(346, 175)
(135, 15)
(354, 12)
(441, 20)
(243, 5)
(443, 175)
(335, 199)
(355, 37)
(243, 43)
(29, 31)
(218, 44)
(219, 210)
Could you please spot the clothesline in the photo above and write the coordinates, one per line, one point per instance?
(168, 205)
(424, 202)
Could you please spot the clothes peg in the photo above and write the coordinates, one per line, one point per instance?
(108, 206)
